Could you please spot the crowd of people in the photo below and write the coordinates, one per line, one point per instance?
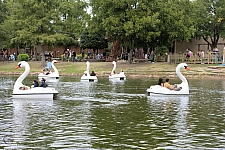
(72, 55)
(201, 54)
(6, 56)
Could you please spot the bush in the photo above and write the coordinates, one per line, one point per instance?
(23, 57)
(79, 57)
(107, 54)
(161, 51)
(63, 57)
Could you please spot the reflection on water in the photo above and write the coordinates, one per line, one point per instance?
(22, 118)
(178, 104)
(113, 115)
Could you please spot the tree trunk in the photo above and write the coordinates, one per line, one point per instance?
(41, 49)
(35, 54)
(18, 51)
(94, 53)
(115, 50)
(130, 56)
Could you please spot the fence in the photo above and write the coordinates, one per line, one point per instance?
(208, 58)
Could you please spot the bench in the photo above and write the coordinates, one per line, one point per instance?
(55, 58)
(141, 60)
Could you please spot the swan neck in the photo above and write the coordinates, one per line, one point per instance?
(24, 75)
(114, 68)
(183, 79)
(88, 68)
(55, 69)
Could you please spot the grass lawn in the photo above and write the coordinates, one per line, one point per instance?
(104, 68)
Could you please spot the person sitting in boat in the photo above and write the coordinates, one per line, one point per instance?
(43, 71)
(24, 88)
(48, 72)
(122, 73)
(171, 87)
(160, 82)
(85, 73)
(35, 84)
(92, 73)
(43, 83)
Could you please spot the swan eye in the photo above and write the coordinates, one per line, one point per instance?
(185, 67)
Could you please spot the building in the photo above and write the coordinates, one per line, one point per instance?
(197, 44)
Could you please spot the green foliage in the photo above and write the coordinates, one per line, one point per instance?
(209, 20)
(23, 57)
(62, 57)
(79, 57)
(125, 21)
(161, 50)
(107, 54)
(144, 23)
(3, 33)
(44, 22)
(92, 41)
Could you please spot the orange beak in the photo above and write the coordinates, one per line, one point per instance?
(17, 67)
(55, 62)
(188, 68)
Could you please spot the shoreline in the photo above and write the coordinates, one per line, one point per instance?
(133, 75)
(134, 70)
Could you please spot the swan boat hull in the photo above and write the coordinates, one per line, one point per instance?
(184, 88)
(35, 93)
(51, 76)
(89, 79)
(157, 89)
(117, 77)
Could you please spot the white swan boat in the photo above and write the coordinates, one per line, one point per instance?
(116, 76)
(157, 89)
(86, 76)
(53, 75)
(30, 93)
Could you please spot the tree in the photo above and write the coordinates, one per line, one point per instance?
(3, 33)
(93, 41)
(125, 21)
(176, 23)
(74, 19)
(152, 23)
(210, 23)
(37, 23)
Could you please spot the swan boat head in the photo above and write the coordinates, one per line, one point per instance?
(38, 92)
(54, 61)
(114, 67)
(22, 64)
(157, 89)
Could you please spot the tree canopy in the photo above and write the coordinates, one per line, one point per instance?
(136, 24)
(92, 41)
(44, 22)
(209, 20)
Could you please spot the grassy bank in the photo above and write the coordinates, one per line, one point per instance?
(158, 69)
